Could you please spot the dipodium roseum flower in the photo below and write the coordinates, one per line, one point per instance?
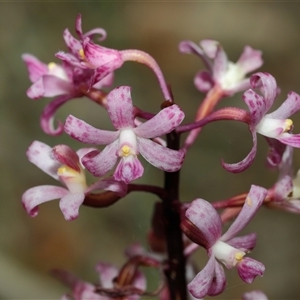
(230, 77)
(204, 227)
(64, 81)
(63, 164)
(85, 54)
(274, 125)
(128, 141)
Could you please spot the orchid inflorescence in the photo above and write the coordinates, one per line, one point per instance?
(178, 229)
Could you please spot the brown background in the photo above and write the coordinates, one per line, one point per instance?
(29, 248)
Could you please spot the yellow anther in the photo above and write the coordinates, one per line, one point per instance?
(239, 255)
(51, 65)
(81, 54)
(66, 171)
(288, 125)
(125, 150)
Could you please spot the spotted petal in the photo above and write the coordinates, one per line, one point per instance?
(201, 284)
(86, 133)
(162, 123)
(159, 156)
(290, 106)
(101, 163)
(120, 108)
(202, 214)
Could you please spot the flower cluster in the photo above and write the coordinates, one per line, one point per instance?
(177, 229)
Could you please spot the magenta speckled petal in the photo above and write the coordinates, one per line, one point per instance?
(162, 123)
(81, 131)
(202, 214)
(159, 156)
(100, 164)
(66, 156)
(120, 108)
(201, 284)
(244, 243)
(249, 268)
(290, 106)
(129, 169)
(219, 281)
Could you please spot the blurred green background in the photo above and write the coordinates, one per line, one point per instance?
(30, 247)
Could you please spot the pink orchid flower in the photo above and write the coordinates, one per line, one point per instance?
(128, 141)
(274, 125)
(84, 54)
(230, 77)
(63, 164)
(205, 229)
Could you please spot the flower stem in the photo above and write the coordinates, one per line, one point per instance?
(175, 271)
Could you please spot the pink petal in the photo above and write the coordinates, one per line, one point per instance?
(252, 203)
(219, 281)
(244, 243)
(210, 47)
(69, 205)
(129, 169)
(246, 162)
(71, 59)
(200, 285)
(35, 67)
(290, 106)
(275, 152)
(203, 81)
(249, 268)
(290, 139)
(107, 274)
(66, 156)
(283, 188)
(47, 116)
(220, 64)
(101, 163)
(98, 56)
(191, 47)
(81, 131)
(40, 194)
(120, 108)
(159, 156)
(257, 106)
(73, 44)
(202, 214)
(250, 59)
(40, 154)
(162, 123)
(55, 86)
(118, 187)
(268, 85)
